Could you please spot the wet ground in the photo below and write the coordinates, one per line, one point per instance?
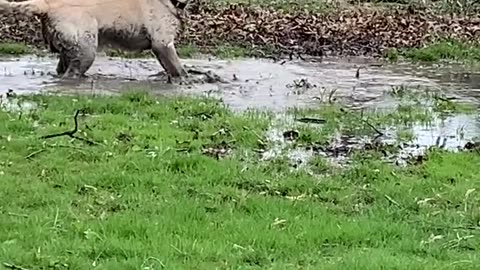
(250, 82)
(268, 84)
(453, 133)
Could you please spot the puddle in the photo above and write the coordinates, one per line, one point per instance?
(452, 133)
(258, 83)
(265, 84)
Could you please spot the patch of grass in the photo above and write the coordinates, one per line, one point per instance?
(114, 52)
(462, 7)
(445, 105)
(14, 48)
(187, 50)
(222, 51)
(392, 55)
(358, 122)
(151, 194)
(286, 5)
(230, 51)
(446, 50)
(439, 103)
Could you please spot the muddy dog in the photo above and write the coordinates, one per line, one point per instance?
(75, 29)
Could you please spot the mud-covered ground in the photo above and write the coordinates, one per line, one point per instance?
(339, 28)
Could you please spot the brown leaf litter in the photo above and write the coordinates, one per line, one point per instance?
(354, 31)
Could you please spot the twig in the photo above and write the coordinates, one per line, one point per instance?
(13, 266)
(66, 133)
(56, 219)
(153, 259)
(17, 215)
(31, 155)
(330, 96)
(64, 146)
(357, 75)
(311, 120)
(300, 57)
(181, 252)
(260, 138)
(203, 114)
(392, 200)
(373, 127)
(365, 121)
(71, 133)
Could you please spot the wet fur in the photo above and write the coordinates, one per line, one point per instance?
(76, 29)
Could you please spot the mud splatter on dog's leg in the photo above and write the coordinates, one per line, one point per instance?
(166, 54)
(77, 48)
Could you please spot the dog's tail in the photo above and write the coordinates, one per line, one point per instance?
(31, 7)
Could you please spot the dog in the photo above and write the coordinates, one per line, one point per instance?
(76, 29)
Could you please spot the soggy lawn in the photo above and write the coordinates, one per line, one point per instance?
(177, 183)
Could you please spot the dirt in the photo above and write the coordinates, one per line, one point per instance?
(354, 31)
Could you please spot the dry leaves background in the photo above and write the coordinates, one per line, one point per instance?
(356, 31)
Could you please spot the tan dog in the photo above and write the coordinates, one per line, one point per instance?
(75, 29)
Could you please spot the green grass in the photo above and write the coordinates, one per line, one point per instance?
(462, 7)
(442, 50)
(14, 48)
(286, 5)
(147, 197)
(446, 50)
(221, 51)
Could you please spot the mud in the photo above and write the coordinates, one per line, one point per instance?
(277, 85)
(248, 82)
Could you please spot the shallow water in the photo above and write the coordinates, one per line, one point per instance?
(259, 84)
(451, 133)
(264, 84)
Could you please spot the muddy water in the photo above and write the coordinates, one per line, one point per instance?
(249, 82)
(265, 84)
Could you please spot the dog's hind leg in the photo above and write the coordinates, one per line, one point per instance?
(77, 47)
(79, 58)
